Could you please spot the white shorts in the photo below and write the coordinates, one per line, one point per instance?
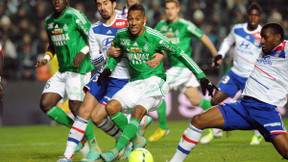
(180, 78)
(148, 93)
(68, 84)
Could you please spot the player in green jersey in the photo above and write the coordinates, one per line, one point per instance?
(180, 32)
(67, 31)
(147, 86)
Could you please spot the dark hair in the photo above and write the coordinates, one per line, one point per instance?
(254, 6)
(137, 7)
(275, 29)
(175, 1)
(110, 0)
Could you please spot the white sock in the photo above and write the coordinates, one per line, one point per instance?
(217, 132)
(110, 128)
(256, 133)
(188, 141)
(75, 136)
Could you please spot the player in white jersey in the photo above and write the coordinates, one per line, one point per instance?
(246, 38)
(125, 9)
(100, 37)
(265, 89)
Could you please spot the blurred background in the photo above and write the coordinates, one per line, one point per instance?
(24, 41)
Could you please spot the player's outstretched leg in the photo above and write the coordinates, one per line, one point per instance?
(188, 141)
(163, 128)
(256, 139)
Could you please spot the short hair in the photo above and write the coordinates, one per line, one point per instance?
(275, 29)
(175, 1)
(254, 6)
(137, 7)
(109, 0)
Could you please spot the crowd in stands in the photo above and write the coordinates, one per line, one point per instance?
(24, 39)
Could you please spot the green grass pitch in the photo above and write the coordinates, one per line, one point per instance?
(47, 143)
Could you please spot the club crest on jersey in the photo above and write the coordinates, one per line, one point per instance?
(146, 48)
(65, 27)
(257, 42)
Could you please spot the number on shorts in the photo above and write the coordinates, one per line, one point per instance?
(225, 79)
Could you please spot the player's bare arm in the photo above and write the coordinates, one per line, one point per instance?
(78, 59)
(157, 58)
(205, 39)
(112, 51)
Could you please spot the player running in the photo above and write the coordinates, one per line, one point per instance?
(67, 30)
(179, 77)
(265, 89)
(247, 49)
(147, 86)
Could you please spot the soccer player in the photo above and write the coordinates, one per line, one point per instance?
(1, 72)
(67, 31)
(265, 89)
(247, 49)
(179, 77)
(100, 37)
(147, 86)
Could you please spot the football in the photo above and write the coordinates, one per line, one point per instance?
(140, 155)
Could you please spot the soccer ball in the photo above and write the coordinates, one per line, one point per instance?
(140, 155)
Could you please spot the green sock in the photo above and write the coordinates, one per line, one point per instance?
(120, 120)
(205, 104)
(89, 134)
(128, 133)
(162, 115)
(60, 116)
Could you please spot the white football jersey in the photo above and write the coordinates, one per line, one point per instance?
(100, 38)
(247, 48)
(0, 49)
(269, 80)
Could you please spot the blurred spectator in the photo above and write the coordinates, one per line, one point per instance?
(27, 60)
(275, 16)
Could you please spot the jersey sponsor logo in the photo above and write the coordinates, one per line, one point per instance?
(275, 124)
(60, 39)
(138, 58)
(121, 23)
(135, 49)
(245, 45)
(107, 42)
(125, 42)
(264, 60)
(161, 42)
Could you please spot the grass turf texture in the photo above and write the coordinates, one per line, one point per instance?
(47, 143)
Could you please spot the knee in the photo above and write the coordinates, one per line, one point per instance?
(112, 107)
(98, 116)
(197, 122)
(45, 105)
(139, 112)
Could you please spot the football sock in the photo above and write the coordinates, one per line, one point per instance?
(89, 134)
(256, 133)
(59, 115)
(205, 104)
(120, 120)
(187, 142)
(109, 127)
(128, 133)
(75, 135)
(162, 115)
